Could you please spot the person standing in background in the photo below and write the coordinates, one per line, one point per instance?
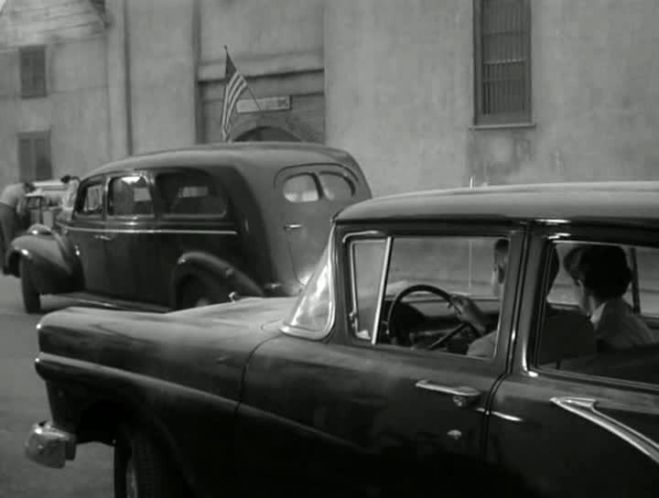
(11, 205)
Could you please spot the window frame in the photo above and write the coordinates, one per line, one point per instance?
(33, 71)
(118, 177)
(508, 309)
(77, 213)
(509, 117)
(160, 201)
(544, 236)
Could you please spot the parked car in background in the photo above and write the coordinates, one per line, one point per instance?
(370, 384)
(194, 226)
(45, 203)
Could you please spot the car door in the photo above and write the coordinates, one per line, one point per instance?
(581, 424)
(194, 215)
(131, 249)
(313, 194)
(87, 232)
(355, 413)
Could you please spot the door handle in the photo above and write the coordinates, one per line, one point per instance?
(292, 226)
(463, 396)
(586, 409)
(104, 237)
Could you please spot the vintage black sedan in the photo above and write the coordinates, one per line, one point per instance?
(176, 229)
(452, 343)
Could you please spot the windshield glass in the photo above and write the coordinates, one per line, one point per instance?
(313, 313)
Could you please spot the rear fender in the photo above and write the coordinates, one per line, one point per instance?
(203, 265)
(54, 265)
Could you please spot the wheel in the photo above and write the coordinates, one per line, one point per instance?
(402, 336)
(31, 298)
(197, 292)
(141, 470)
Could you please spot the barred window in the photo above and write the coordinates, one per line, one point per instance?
(502, 38)
(33, 71)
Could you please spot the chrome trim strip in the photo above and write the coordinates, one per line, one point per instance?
(501, 415)
(152, 231)
(365, 233)
(463, 391)
(381, 293)
(586, 409)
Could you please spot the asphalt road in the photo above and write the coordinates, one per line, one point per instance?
(23, 401)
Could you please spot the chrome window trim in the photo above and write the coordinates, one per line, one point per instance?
(151, 231)
(383, 280)
(373, 235)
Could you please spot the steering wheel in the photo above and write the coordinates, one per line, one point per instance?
(402, 337)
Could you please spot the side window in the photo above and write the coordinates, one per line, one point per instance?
(129, 196)
(191, 193)
(601, 316)
(429, 282)
(336, 187)
(301, 188)
(90, 200)
(367, 264)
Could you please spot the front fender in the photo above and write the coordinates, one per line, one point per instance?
(54, 266)
(198, 263)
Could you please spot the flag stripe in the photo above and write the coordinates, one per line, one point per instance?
(233, 88)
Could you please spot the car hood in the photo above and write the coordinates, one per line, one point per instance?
(203, 348)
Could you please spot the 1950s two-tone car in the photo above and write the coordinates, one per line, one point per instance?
(454, 343)
(179, 228)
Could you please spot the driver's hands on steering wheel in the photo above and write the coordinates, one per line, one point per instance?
(467, 311)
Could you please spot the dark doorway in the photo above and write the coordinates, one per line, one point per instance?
(267, 134)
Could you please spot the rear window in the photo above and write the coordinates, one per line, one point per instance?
(301, 188)
(191, 193)
(336, 187)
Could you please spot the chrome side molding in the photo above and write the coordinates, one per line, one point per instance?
(462, 395)
(586, 409)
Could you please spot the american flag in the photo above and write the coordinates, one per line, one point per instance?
(233, 88)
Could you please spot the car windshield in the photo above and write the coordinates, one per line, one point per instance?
(313, 312)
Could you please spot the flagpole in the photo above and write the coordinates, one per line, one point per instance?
(256, 102)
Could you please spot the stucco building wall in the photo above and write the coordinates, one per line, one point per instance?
(399, 89)
(74, 111)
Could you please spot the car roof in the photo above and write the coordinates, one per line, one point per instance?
(627, 202)
(246, 155)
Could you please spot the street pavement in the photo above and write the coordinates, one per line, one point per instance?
(23, 401)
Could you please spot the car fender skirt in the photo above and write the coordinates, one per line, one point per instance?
(206, 265)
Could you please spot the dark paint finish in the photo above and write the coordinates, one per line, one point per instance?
(337, 416)
(144, 257)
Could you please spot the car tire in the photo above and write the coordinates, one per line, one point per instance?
(31, 297)
(141, 470)
(197, 292)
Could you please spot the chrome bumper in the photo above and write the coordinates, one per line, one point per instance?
(50, 446)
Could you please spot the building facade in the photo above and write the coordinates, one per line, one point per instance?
(53, 97)
(424, 93)
(402, 77)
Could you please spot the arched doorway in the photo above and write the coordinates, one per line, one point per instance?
(267, 134)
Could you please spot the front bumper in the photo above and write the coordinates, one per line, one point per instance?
(50, 446)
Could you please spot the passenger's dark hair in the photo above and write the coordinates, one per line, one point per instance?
(554, 266)
(65, 179)
(602, 269)
(501, 247)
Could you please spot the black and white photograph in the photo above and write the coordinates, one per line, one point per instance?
(329, 248)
